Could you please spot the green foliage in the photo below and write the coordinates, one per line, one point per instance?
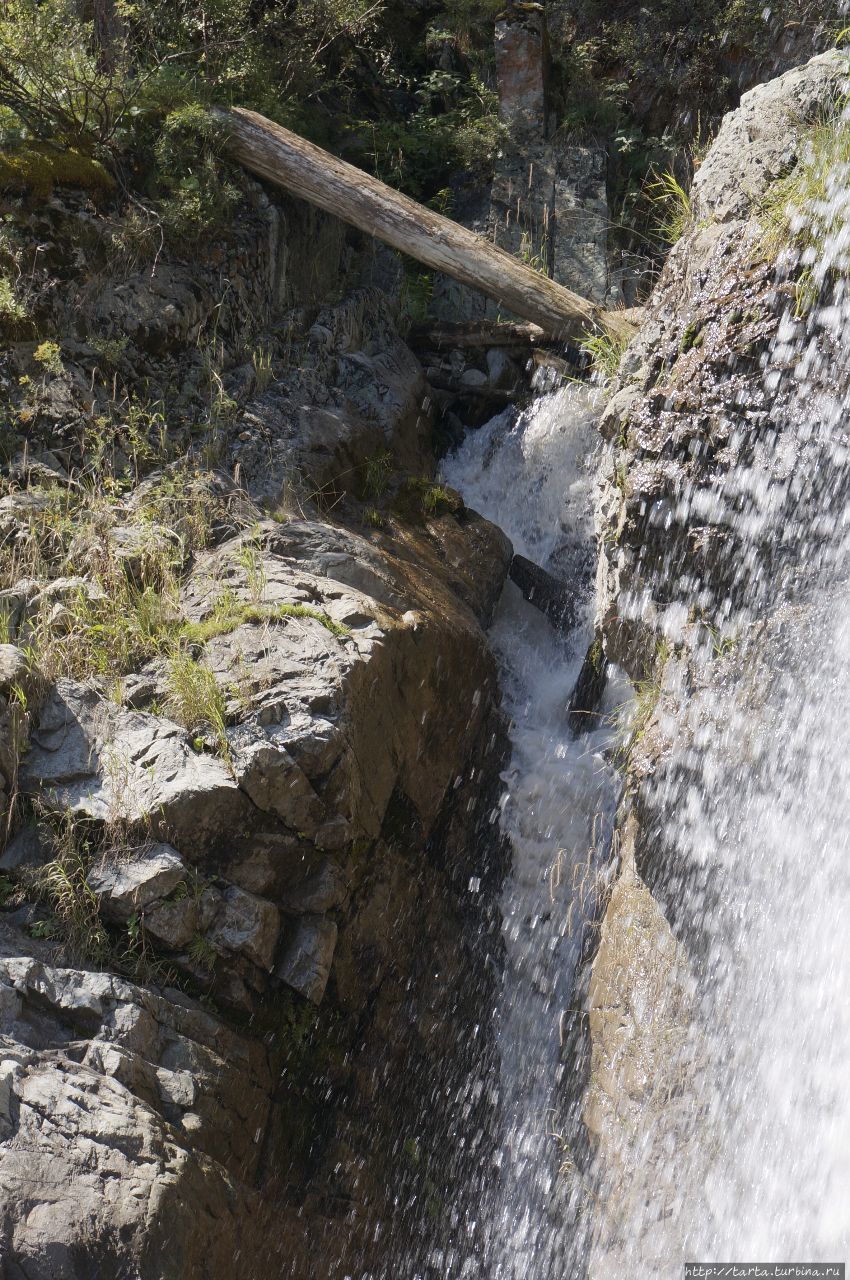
(377, 472)
(199, 195)
(802, 211)
(605, 351)
(230, 613)
(15, 319)
(455, 125)
(63, 886)
(37, 168)
(195, 699)
(374, 518)
(54, 81)
(202, 953)
(48, 355)
(672, 205)
(437, 499)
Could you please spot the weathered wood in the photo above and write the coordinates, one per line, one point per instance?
(305, 170)
(466, 334)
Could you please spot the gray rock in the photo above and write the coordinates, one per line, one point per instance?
(760, 141)
(268, 774)
(112, 1174)
(173, 924)
(140, 549)
(92, 757)
(17, 510)
(580, 224)
(247, 924)
(13, 666)
(30, 847)
(520, 45)
(503, 373)
(14, 602)
(329, 887)
(123, 888)
(554, 598)
(307, 959)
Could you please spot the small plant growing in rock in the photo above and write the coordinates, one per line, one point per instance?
(672, 204)
(437, 499)
(251, 561)
(377, 473)
(196, 700)
(605, 351)
(14, 316)
(202, 953)
(263, 375)
(48, 355)
(374, 518)
(110, 350)
(63, 886)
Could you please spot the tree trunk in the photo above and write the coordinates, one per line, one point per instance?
(288, 161)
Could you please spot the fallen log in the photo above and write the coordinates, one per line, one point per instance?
(464, 334)
(305, 170)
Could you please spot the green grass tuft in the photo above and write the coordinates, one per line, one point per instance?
(233, 614)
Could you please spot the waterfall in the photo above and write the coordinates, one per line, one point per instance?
(747, 1155)
(533, 475)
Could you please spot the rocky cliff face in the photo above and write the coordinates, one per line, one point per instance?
(251, 734)
(708, 458)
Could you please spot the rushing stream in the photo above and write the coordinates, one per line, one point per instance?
(533, 475)
(749, 1157)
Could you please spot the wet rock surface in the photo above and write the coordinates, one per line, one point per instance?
(692, 563)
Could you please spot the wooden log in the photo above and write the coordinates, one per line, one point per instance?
(466, 334)
(305, 170)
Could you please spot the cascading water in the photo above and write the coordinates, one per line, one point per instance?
(748, 1155)
(533, 476)
(753, 857)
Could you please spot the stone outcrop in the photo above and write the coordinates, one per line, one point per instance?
(693, 559)
(238, 958)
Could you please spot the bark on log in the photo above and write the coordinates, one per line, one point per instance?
(305, 170)
(470, 333)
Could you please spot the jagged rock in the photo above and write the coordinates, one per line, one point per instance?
(306, 961)
(50, 605)
(759, 142)
(271, 863)
(123, 888)
(17, 509)
(30, 847)
(112, 1152)
(327, 888)
(520, 43)
(274, 782)
(14, 603)
(173, 924)
(246, 924)
(92, 757)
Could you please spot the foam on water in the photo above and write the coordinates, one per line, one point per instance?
(533, 475)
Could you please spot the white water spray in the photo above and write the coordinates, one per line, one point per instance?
(533, 476)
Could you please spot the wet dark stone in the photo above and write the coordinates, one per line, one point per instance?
(548, 594)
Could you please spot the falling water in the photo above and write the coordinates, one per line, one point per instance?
(753, 858)
(533, 475)
(750, 1160)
